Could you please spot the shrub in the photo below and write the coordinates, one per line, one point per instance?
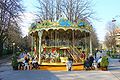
(14, 62)
(104, 63)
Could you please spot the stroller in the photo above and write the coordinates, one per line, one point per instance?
(35, 64)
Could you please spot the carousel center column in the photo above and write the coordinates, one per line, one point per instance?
(40, 46)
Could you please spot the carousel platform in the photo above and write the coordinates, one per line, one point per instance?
(60, 66)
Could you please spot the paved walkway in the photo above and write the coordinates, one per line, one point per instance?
(4, 60)
(57, 75)
(114, 67)
(6, 73)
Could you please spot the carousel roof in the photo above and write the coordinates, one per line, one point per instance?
(60, 24)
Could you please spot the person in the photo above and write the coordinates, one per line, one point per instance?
(83, 55)
(20, 61)
(26, 62)
(86, 64)
(69, 64)
(98, 62)
(20, 64)
(96, 53)
(30, 64)
(94, 65)
(35, 63)
(99, 54)
(91, 59)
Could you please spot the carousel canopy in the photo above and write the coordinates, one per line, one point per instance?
(64, 23)
(60, 24)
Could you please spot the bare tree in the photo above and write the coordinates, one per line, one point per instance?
(95, 41)
(58, 9)
(71, 9)
(110, 35)
(77, 9)
(9, 15)
(46, 9)
(27, 43)
(14, 35)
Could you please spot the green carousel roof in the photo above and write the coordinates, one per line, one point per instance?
(60, 24)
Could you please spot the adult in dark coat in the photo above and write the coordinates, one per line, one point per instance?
(86, 64)
(91, 59)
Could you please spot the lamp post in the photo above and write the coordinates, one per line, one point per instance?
(114, 35)
(13, 48)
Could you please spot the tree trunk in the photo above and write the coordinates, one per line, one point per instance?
(1, 48)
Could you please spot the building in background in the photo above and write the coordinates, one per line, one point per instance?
(117, 38)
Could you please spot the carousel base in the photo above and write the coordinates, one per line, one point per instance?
(60, 66)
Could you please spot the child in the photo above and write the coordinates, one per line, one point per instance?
(69, 64)
(26, 62)
(94, 65)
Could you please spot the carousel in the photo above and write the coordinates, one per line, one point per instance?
(55, 42)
